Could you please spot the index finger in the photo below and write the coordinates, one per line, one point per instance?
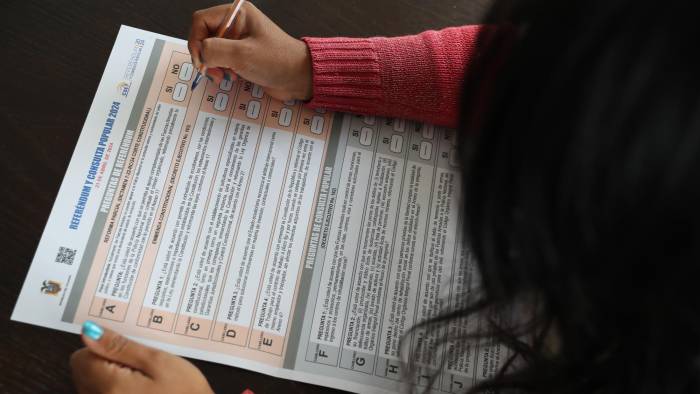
(205, 24)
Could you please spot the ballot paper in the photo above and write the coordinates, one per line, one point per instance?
(224, 225)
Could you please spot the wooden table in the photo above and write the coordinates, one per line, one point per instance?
(53, 55)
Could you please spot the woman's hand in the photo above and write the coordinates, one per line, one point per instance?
(254, 48)
(111, 363)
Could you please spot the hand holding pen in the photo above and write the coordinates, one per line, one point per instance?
(252, 47)
(224, 26)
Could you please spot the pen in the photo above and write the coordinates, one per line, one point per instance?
(223, 28)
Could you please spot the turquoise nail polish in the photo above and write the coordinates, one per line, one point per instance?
(92, 330)
(210, 78)
(227, 76)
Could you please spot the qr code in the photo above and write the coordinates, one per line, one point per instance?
(65, 255)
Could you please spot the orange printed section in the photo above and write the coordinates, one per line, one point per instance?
(245, 102)
(217, 100)
(230, 333)
(314, 123)
(175, 90)
(251, 104)
(193, 326)
(108, 309)
(266, 342)
(282, 116)
(156, 319)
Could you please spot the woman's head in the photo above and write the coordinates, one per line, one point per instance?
(583, 189)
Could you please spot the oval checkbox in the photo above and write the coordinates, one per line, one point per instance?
(396, 143)
(426, 150)
(452, 158)
(220, 101)
(257, 91)
(285, 118)
(428, 131)
(185, 72)
(253, 110)
(180, 91)
(366, 136)
(317, 124)
(226, 85)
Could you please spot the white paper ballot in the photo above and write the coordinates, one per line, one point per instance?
(224, 225)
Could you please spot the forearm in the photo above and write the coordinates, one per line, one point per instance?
(417, 77)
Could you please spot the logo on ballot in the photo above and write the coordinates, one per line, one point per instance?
(123, 88)
(50, 287)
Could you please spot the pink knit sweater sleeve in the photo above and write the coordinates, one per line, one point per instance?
(417, 77)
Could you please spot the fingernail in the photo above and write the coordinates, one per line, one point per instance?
(92, 330)
(227, 76)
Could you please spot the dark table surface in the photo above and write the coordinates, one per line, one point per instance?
(53, 53)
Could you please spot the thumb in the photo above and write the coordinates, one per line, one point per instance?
(117, 348)
(223, 52)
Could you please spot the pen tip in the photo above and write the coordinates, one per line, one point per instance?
(196, 81)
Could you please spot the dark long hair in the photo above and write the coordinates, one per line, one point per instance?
(582, 196)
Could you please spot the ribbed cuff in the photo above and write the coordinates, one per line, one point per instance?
(346, 72)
